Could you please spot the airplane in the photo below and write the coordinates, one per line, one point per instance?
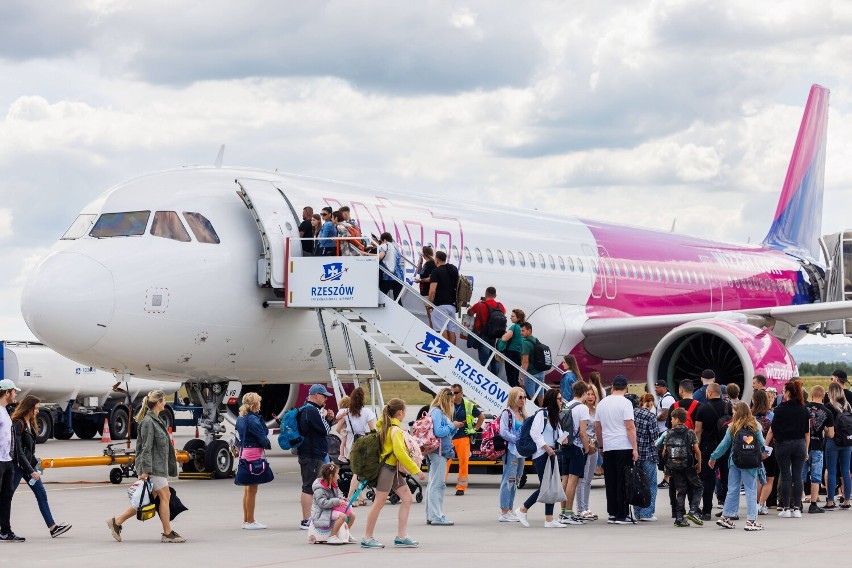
(168, 274)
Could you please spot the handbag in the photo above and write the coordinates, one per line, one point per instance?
(551, 484)
(255, 472)
(148, 510)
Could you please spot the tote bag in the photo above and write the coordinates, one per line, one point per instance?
(551, 484)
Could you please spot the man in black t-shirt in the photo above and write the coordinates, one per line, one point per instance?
(706, 426)
(822, 426)
(839, 376)
(442, 292)
(306, 231)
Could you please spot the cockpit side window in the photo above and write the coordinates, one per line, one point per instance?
(128, 224)
(201, 228)
(80, 227)
(167, 225)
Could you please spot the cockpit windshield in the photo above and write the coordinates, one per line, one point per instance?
(80, 227)
(127, 224)
(201, 227)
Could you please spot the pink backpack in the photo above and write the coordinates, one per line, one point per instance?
(423, 432)
(493, 445)
(413, 451)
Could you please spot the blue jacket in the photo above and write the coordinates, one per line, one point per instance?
(327, 232)
(312, 428)
(444, 431)
(253, 432)
(566, 384)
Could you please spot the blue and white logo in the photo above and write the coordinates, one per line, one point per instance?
(332, 272)
(434, 347)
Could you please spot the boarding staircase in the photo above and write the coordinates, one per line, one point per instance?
(837, 284)
(407, 341)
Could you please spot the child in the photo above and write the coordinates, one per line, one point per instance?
(328, 506)
(341, 428)
(683, 462)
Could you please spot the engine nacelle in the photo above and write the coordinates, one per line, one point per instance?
(736, 351)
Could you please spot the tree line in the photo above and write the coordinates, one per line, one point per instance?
(823, 368)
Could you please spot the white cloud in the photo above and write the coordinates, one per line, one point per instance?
(6, 228)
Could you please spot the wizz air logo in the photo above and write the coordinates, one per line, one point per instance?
(332, 271)
(434, 347)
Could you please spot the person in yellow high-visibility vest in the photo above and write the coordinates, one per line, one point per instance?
(468, 413)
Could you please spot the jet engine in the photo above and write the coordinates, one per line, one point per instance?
(275, 400)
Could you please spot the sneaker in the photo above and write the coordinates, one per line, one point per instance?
(663, 484)
(11, 537)
(589, 516)
(371, 543)
(59, 529)
(753, 526)
(554, 524)
(405, 542)
(624, 521)
(508, 518)
(725, 523)
(814, 508)
(570, 519)
(610, 519)
(651, 519)
(255, 526)
(459, 491)
(706, 517)
(680, 523)
(114, 528)
(732, 517)
(694, 518)
(335, 540)
(172, 537)
(442, 522)
(846, 505)
(797, 513)
(305, 524)
(352, 539)
(762, 510)
(828, 507)
(522, 517)
(786, 514)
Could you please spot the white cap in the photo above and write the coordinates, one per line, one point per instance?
(7, 384)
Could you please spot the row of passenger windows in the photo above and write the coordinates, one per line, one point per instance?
(619, 269)
(166, 224)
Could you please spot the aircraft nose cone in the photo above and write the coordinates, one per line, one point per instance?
(68, 302)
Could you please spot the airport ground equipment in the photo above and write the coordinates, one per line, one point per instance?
(114, 454)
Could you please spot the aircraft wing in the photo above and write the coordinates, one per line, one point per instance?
(618, 337)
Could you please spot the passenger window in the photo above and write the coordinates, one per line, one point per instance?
(570, 262)
(561, 263)
(121, 224)
(522, 260)
(80, 227)
(167, 225)
(511, 256)
(500, 258)
(641, 272)
(580, 267)
(532, 260)
(489, 256)
(456, 254)
(467, 254)
(541, 261)
(478, 254)
(201, 227)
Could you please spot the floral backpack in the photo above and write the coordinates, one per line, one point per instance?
(413, 451)
(493, 445)
(423, 432)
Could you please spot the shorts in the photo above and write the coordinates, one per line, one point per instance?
(389, 479)
(771, 466)
(310, 472)
(337, 514)
(158, 482)
(572, 461)
(815, 459)
(445, 313)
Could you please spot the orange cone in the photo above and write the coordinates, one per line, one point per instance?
(171, 436)
(105, 437)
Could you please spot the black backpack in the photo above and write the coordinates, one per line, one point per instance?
(724, 421)
(843, 429)
(637, 486)
(566, 420)
(541, 357)
(677, 449)
(495, 323)
(745, 451)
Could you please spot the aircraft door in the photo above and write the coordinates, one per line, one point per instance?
(276, 221)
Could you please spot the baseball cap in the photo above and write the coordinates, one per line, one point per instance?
(841, 375)
(619, 382)
(708, 374)
(7, 384)
(662, 383)
(318, 389)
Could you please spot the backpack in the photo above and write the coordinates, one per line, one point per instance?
(423, 431)
(724, 421)
(745, 451)
(365, 458)
(464, 291)
(541, 357)
(398, 269)
(678, 452)
(493, 445)
(566, 420)
(690, 423)
(356, 240)
(495, 323)
(637, 486)
(414, 452)
(526, 446)
(843, 429)
(290, 438)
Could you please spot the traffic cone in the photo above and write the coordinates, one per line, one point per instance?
(171, 436)
(105, 437)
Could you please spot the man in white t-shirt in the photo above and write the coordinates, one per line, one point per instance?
(8, 393)
(664, 402)
(616, 433)
(572, 457)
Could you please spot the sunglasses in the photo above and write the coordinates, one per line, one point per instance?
(456, 392)
(324, 214)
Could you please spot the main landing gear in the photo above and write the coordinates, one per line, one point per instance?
(209, 456)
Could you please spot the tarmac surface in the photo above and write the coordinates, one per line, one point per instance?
(212, 526)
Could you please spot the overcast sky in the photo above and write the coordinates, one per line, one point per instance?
(633, 112)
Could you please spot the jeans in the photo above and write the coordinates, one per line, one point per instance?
(791, 457)
(40, 495)
(513, 469)
(484, 353)
(833, 454)
(539, 464)
(814, 466)
(649, 468)
(7, 490)
(435, 487)
(614, 463)
(584, 486)
(748, 478)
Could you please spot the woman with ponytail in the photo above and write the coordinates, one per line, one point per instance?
(394, 454)
(254, 438)
(155, 463)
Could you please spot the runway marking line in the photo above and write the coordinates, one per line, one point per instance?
(280, 562)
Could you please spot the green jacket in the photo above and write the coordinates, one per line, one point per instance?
(155, 454)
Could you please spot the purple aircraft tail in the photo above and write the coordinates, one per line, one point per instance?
(798, 218)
